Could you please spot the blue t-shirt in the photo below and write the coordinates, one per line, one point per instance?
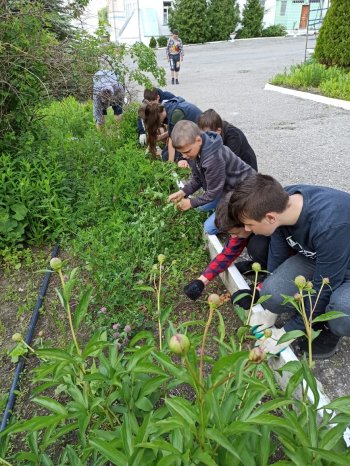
(322, 234)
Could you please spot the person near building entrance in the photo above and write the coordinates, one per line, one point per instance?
(175, 54)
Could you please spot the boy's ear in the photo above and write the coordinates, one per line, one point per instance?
(219, 130)
(271, 217)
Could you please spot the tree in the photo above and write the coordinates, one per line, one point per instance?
(190, 18)
(223, 18)
(39, 63)
(333, 43)
(252, 19)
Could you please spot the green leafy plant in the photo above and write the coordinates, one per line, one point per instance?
(252, 20)
(162, 41)
(311, 76)
(223, 18)
(306, 293)
(120, 407)
(275, 30)
(191, 20)
(333, 43)
(153, 43)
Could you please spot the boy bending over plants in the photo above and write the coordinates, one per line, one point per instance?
(215, 168)
(313, 222)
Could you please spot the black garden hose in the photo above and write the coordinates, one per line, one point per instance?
(28, 339)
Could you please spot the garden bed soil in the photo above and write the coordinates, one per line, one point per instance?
(20, 289)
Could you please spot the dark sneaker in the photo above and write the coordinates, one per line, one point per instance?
(172, 81)
(323, 347)
(177, 81)
(244, 266)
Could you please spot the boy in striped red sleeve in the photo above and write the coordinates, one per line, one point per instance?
(257, 247)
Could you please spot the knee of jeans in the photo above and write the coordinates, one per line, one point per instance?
(340, 326)
(210, 229)
(274, 303)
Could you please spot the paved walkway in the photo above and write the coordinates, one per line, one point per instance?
(295, 140)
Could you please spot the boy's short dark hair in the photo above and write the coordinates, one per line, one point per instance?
(210, 119)
(175, 32)
(150, 94)
(223, 221)
(256, 196)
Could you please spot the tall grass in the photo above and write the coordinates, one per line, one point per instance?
(331, 82)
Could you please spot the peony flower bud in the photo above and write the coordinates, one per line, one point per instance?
(179, 344)
(309, 285)
(267, 333)
(256, 267)
(325, 281)
(127, 329)
(298, 297)
(56, 264)
(161, 258)
(116, 326)
(257, 355)
(41, 333)
(214, 301)
(300, 281)
(17, 337)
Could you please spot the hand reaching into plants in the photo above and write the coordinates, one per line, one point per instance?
(183, 205)
(176, 197)
(143, 139)
(261, 321)
(269, 344)
(246, 300)
(182, 164)
(195, 288)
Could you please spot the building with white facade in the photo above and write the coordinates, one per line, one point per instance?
(138, 20)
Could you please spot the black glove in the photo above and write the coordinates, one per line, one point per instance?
(245, 301)
(194, 289)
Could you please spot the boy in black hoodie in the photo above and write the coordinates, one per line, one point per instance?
(215, 168)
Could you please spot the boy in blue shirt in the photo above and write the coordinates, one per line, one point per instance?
(310, 230)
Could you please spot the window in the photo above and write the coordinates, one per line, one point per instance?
(283, 7)
(166, 8)
(262, 3)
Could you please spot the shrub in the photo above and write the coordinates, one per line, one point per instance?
(223, 18)
(191, 19)
(162, 41)
(274, 31)
(333, 43)
(153, 43)
(252, 19)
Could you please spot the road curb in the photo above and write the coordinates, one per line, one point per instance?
(345, 104)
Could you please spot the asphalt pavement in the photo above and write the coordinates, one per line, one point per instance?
(296, 141)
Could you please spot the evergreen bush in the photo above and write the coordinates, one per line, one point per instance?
(275, 30)
(162, 41)
(223, 18)
(191, 20)
(252, 19)
(153, 43)
(333, 43)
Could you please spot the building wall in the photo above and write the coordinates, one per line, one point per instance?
(133, 20)
(288, 12)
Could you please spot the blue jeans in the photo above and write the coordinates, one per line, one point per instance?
(209, 224)
(282, 282)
